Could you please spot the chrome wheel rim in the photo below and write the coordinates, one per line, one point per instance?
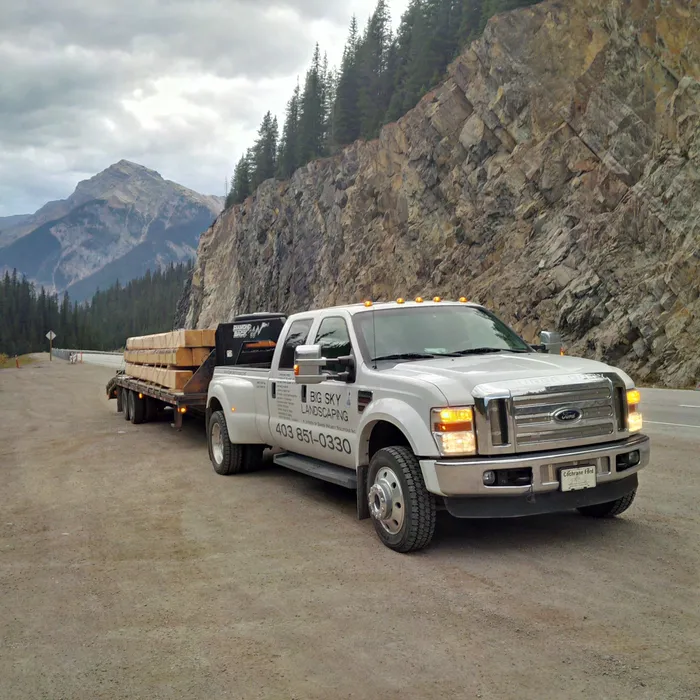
(217, 443)
(386, 502)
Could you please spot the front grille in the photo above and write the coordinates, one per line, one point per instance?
(535, 415)
(530, 416)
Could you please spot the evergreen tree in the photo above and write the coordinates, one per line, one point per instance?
(346, 106)
(242, 179)
(143, 306)
(288, 159)
(313, 109)
(373, 55)
(264, 153)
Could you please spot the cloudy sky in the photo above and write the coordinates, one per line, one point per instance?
(179, 86)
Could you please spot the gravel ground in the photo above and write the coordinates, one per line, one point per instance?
(129, 569)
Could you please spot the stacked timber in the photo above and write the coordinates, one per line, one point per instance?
(168, 359)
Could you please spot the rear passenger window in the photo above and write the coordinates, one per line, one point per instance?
(298, 333)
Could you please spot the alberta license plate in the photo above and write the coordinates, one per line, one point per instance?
(578, 478)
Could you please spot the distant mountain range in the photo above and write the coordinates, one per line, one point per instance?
(116, 225)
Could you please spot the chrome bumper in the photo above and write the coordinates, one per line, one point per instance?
(465, 477)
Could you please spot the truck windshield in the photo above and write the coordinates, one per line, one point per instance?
(412, 333)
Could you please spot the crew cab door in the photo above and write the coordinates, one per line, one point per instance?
(284, 395)
(329, 410)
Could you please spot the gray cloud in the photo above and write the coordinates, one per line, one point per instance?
(177, 85)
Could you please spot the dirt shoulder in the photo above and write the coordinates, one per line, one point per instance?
(129, 569)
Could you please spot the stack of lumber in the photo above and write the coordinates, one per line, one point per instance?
(168, 359)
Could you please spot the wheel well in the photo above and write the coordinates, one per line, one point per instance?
(385, 435)
(213, 407)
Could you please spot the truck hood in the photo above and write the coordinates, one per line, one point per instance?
(457, 377)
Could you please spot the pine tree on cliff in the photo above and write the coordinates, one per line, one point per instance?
(346, 112)
(373, 54)
(470, 25)
(313, 109)
(402, 45)
(288, 154)
(241, 185)
(265, 151)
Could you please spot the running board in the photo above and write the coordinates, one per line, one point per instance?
(315, 467)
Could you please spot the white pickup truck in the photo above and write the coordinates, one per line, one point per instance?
(428, 405)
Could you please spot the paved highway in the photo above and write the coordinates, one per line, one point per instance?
(672, 412)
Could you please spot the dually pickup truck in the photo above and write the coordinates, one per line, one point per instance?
(425, 405)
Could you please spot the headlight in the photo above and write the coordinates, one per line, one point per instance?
(634, 415)
(453, 430)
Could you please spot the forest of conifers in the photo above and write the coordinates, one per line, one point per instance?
(145, 305)
(382, 75)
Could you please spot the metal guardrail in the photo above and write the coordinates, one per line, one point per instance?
(65, 353)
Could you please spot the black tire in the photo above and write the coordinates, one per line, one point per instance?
(418, 526)
(125, 404)
(151, 409)
(609, 509)
(233, 459)
(137, 408)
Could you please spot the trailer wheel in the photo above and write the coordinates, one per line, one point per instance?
(151, 409)
(137, 408)
(125, 404)
(401, 508)
(227, 458)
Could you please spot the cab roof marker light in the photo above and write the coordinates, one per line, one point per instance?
(463, 300)
(400, 300)
(419, 300)
(368, 303)
(437, 300)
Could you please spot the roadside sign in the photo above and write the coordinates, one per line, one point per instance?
(50, 335)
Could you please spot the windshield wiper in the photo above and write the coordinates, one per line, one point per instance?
(484, 351)
(405, 356)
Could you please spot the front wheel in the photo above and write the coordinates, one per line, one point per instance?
(609, 509)
(402, 509)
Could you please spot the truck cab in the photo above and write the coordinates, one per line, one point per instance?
(428, 405)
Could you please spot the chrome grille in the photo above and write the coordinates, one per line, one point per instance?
(522, 415)
(536, 425)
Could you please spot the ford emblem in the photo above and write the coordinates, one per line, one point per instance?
(567, 415)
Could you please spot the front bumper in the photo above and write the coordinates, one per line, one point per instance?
(465, 477)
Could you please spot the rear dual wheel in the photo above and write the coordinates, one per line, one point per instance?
(227, 458)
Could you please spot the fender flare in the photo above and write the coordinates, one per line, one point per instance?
(404, 418)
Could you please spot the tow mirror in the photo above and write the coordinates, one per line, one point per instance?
(308, 361)
(551, 342)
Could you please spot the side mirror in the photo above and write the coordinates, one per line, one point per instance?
(308, 361)
(551, 342)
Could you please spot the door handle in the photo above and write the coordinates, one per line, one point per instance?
(273, 389)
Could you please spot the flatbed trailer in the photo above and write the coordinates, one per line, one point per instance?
(140, 401)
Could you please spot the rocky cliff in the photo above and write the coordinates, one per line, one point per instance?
(116, 225)
(554, 177)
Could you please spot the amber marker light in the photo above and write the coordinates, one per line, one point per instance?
(368, 304)
(419, 300)
(463, 300)
(400, 300)
(634, 415)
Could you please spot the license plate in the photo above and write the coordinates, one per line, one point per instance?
(578, 478)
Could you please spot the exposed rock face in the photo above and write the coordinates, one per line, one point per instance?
(555, 177)
(116, 225)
